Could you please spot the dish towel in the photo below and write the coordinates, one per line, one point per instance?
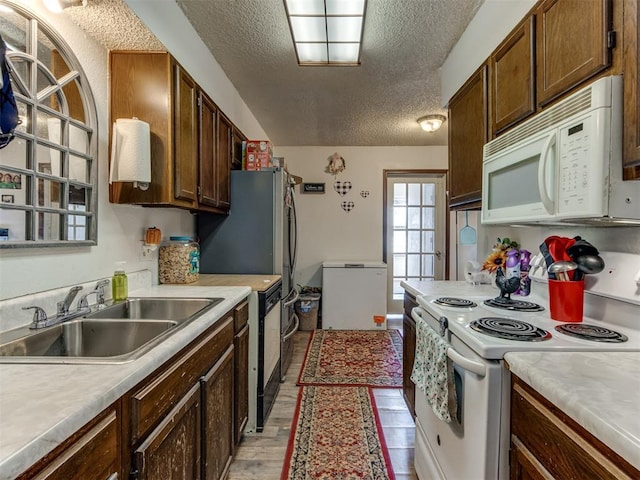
(433, 372)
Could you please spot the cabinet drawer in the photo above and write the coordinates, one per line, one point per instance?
(153, 401)
(240, 316)
(562, 447)
(94, 456)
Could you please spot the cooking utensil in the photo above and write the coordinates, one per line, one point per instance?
(581, 247)
(561, 270)
(590, 264)
(548, 259)
(468, 233)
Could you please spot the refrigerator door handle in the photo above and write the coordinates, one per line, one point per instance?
(296, 295)
(294, 330)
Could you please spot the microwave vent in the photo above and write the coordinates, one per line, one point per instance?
(579, 102)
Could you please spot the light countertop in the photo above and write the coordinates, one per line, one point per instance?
(599, 390)
(42, 405)
(258, 283)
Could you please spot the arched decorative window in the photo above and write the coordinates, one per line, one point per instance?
(49, 176)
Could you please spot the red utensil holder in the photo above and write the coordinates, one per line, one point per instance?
(566, 300)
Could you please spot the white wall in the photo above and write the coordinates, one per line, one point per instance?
(491, 24)
(120, 227)
(326, 231)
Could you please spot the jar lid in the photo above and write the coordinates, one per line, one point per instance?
(180, 239)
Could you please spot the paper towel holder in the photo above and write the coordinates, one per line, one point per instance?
(117, 157)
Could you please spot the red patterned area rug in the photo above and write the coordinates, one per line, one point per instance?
(370, 358)
(336, 435)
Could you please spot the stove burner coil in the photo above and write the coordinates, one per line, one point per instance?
(514, 305)
(455, 302)
(509, 329)
(591, 332)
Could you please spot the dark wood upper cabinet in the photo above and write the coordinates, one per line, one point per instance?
(191, 139)
(186, 136)
(208, 193)
(468, 132)
(223, 166)
(573, 44)
(512, 68)
(631, 118)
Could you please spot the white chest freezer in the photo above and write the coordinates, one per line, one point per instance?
(354, 295)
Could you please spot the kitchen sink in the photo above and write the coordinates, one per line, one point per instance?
(178, 310)
(119, 333)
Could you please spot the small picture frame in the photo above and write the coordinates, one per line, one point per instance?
(312, 188)
(7, 199)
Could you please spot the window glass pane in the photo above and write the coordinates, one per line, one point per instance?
(45, 80)
(413, 243)
(49, 127)
(413, 265)
(78, 169)
(428, 239)
(399, 267)
(428, 217)
(49, 160)
(14, 27)
(20, 78)
(48, 226)
(428, 193)
(49, 193)
(414, 194)
(12, 223)
(414, 217)
(24, 114)
(15, 153)
(400, 194)
(427, 265)
(10, 181)
(78, 196)
(399, 217)
(397, 289)
(78, 139)
(399, 241)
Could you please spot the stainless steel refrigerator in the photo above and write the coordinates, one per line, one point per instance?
(259, 236)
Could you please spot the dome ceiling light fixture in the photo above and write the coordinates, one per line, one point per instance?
(431, 123)
(326, 32)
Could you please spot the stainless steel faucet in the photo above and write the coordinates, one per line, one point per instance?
(63, 306)
(98, 290)
(40, 319)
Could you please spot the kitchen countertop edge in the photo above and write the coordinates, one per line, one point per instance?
(593, 388)
(43, 404)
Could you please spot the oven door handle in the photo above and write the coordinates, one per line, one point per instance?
(475, 367)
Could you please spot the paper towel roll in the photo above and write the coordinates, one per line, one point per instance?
(131, 152)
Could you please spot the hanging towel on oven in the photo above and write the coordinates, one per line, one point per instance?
(433, 372)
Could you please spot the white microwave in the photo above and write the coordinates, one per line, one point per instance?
(564, 165)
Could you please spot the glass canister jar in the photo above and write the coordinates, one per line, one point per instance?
(179, 260)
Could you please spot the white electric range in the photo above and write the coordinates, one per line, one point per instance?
(475, 445)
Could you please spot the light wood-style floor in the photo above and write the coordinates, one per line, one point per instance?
(261, 455)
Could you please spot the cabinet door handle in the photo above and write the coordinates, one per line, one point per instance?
(113, 476)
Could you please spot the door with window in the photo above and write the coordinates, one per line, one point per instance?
(415, 231)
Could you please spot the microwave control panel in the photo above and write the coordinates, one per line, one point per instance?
(577, 176)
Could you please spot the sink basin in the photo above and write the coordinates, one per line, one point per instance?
(119, 333)
(96, 339)
(176, 309)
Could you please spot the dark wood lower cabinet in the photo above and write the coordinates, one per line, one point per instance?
(408, 352)
(547, 444)
(217, 402)
(172, 450)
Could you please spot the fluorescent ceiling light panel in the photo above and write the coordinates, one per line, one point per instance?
(326, 32)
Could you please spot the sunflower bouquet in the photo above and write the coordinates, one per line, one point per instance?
(498, 256)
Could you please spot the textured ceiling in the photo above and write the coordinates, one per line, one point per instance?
(405, 43)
